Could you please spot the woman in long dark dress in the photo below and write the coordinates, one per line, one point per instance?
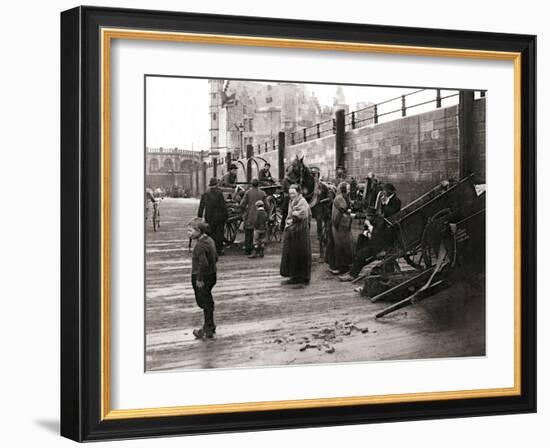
(296, 257)
(341, 232)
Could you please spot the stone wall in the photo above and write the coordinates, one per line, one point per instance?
(414, 153)
(319, 152)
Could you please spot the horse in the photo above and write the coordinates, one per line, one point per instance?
(300, 174)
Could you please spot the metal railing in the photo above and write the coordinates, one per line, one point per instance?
(398, 105)
(266, 146)
(318, 130)
(373, 113)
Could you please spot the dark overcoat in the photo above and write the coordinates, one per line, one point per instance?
(248, 203)
(213, 206)
(391, 207)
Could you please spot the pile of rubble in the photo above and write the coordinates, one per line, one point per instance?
(322, 338)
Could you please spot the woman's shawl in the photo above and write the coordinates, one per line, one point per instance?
(339, 208)
(299, 209)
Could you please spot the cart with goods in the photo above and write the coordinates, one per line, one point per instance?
(438, 239)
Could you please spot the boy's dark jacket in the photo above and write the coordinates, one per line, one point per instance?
(261, 220)
(204, 257)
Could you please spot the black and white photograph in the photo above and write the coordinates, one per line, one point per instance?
(291, 223)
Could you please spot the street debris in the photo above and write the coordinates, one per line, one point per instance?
(306, 346)
(328, 336)
(322, 338)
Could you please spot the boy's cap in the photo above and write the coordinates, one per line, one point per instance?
(199, 224)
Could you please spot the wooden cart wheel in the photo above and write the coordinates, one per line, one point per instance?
(418, 258)
(230, 231)
(413, 255)
(274, 227)
(274, 218)
(430, 245)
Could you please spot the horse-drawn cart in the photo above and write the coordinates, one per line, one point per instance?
(234, 221)
(441, 235)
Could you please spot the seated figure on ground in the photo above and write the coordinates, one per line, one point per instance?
(375, 238)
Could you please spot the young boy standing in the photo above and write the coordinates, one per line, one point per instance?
(203, 275)
(260, 230)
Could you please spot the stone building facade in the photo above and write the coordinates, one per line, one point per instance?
(170, 168)
(246, 113)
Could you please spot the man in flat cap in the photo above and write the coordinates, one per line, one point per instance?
(391, 204)
(212, 206)
(248, 205)
(230, 178)
(264, 176)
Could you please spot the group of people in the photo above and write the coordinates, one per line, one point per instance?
(333, 215)
(375, 236)
(229, 180)
(213, 209)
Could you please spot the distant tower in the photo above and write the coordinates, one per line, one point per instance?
(339, 97)
(340, 100)
(216, 88)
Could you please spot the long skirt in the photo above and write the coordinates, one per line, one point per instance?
(342, 249)
(296, 257)
(329, 252)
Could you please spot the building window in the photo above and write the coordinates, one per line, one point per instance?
(250, 125)
(214, 116)
(213, 95)
(186, 165)
(214, 139)
(168, 164)
(153, 165)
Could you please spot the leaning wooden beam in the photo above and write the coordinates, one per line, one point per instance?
(365, 277)
(412, 299)
(409, 282)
